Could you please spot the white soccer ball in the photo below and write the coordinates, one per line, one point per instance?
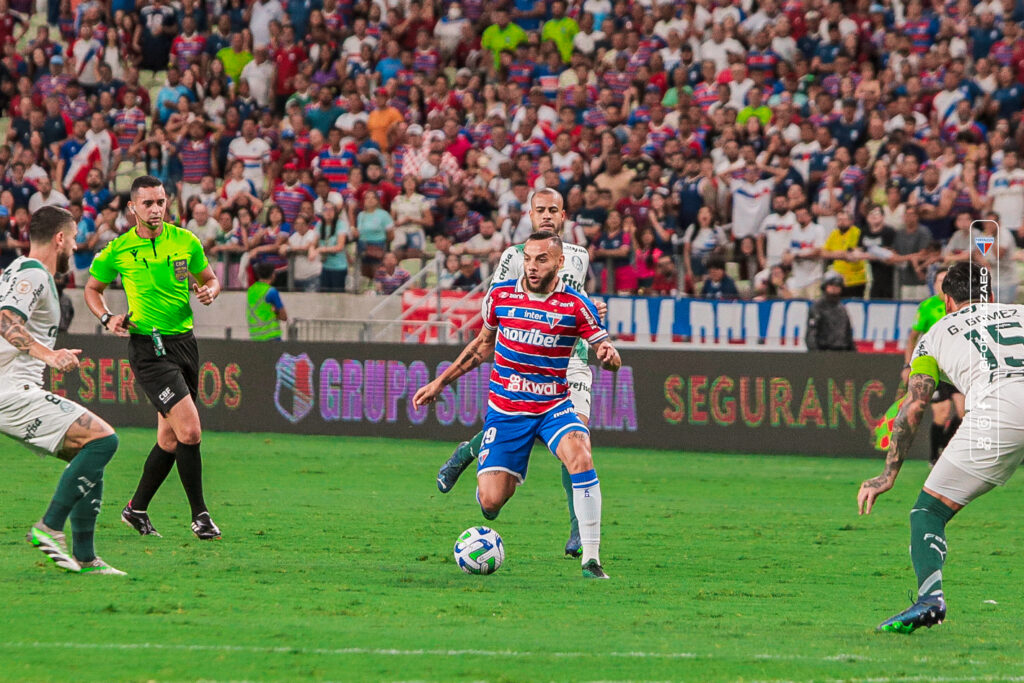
(479, 550)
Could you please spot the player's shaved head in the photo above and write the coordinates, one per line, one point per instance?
(547, 210)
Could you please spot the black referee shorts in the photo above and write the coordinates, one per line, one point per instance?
(169, 378)
(943, 392)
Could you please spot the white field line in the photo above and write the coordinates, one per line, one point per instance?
(394, 652)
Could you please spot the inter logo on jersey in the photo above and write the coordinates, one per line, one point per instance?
(984, 244)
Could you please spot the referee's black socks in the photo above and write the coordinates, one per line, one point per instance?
(190, 469)
(158, 466)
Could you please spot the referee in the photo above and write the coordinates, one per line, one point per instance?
(154, 260)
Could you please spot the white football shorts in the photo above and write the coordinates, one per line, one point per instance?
(987, 447)
(579, 377)
(36, 417)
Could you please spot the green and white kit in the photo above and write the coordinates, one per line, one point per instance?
(979, 350)
(28, 412)
(574, 274)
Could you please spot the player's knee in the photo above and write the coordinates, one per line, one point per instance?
(190, 435)
(493, 498)
(574, 452)
(581, 462)
(491, 501)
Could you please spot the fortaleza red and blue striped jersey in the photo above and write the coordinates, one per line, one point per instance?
(535, 340)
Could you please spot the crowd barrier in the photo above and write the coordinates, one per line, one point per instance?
(881, 326)
(711, 401)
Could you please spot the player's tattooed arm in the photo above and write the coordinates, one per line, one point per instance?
(478, 351)
(12, 328)
(903, 430)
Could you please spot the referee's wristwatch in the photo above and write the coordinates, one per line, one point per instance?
(105, 318)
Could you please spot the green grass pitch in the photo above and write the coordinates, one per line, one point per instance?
(336, 563)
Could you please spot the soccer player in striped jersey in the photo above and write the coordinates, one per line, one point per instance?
(546, 213)
(532, 326)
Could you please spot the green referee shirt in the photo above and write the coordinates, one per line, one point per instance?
(154, 273)
(929, 312)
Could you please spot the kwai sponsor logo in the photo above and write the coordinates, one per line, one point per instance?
(519, 384)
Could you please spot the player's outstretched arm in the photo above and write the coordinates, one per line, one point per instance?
(907, 421)
(12, 328)
(478, 350)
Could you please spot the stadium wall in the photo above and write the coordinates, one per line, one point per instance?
(230, 312)
(644, 321)
(712, 401)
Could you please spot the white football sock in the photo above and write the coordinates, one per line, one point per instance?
(586, 498)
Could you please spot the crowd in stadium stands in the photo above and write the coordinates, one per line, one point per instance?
(711, 148)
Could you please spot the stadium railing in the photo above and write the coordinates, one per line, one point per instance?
(365, 330)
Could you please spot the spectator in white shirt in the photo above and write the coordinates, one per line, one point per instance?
(751, 201)
(46, 196)
(259, 74)
(718, 48)
(262, 12)
(487, 245)
(804, 256)
(204, 226)
(253, 152)
(304, 257)
(1006, 193)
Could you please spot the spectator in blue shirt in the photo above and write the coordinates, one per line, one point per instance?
(167, 98)
(718, 285)
(1008, 97)
(984, 36)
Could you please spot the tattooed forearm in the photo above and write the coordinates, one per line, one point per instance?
(478, 351)
(905, 427)
(470, 358)
(12, 328)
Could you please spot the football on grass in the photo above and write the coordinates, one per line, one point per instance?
(479, 550)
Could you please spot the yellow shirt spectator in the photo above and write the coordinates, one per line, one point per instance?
(561, 32)
(498, 39)
(854, 272)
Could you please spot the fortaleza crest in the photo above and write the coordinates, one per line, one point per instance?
(293, 395)
(984, 244)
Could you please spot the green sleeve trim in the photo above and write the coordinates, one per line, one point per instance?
(24, 317)
(925, 365)
(28, 265)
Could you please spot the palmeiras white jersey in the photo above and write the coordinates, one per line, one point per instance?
(978, 349)
(27, 289)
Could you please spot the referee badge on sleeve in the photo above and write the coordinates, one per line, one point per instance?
(181, 269)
